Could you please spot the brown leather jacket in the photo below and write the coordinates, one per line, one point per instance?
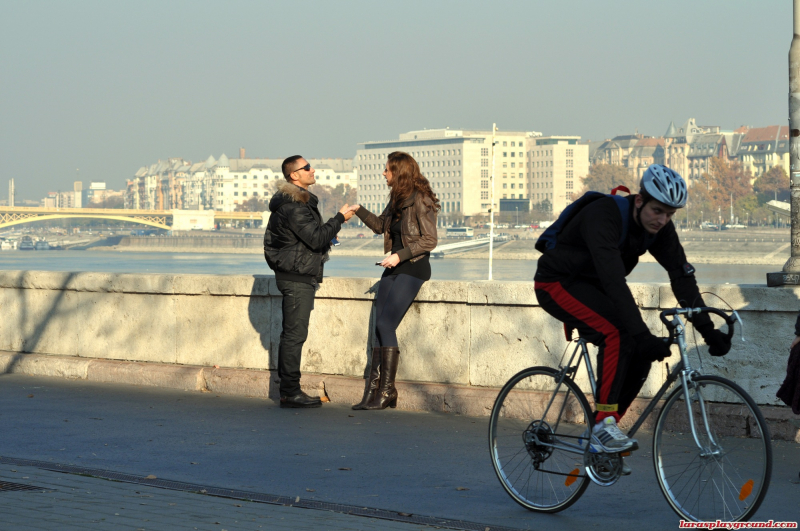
(417, 229)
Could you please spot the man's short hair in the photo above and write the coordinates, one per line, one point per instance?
(288, 165)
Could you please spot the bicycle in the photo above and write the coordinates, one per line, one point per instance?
(712, 453)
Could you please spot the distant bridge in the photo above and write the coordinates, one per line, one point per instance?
(162, 219)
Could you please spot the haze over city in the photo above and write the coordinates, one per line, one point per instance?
(110, 87)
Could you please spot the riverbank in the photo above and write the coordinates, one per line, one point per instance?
(743, 247)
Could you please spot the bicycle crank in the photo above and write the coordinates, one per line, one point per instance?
(602, 468)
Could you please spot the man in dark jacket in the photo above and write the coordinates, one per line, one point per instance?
(581, 282)
(296, 244)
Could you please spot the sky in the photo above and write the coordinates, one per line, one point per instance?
(94, 90)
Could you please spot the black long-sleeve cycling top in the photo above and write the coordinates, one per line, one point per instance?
(588, 250)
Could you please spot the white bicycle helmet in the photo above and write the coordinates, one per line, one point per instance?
(665, 186)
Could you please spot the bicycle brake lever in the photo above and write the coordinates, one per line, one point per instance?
(741, 324)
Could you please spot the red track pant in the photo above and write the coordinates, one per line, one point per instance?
(586, 308)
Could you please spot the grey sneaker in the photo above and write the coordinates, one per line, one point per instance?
(607, 437)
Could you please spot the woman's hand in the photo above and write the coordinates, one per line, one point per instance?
(391, 261)
(796, 341)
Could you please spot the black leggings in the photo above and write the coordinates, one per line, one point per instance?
(395, 295)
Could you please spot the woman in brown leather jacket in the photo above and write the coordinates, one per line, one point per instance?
(408, 225)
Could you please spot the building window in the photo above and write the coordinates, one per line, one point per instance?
(505, 144)
(484, 184)
(569, 174)
(235, 193)
(484, 173)
(512, 144)
(513, 164)
(505, 153)
(512, 186)
(569, 185)
(484, 152)
(512, 153)
(505, 186)
(569, 163)
(484, 195)
(569, 153)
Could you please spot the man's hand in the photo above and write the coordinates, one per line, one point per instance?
(347, 211)
(651, 347)
(718, 343)
(391, 261)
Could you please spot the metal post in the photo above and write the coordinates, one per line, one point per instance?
(491, 206)
(791, 270)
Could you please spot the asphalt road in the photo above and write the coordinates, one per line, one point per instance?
(420, 463)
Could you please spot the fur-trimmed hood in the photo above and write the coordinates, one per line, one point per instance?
(288, 192)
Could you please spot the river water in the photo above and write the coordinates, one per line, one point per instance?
(346, 266)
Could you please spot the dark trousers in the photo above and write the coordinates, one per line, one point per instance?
(584, 307)
(395, 295)
(298, 301)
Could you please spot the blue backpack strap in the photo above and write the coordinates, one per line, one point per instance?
(624, 210)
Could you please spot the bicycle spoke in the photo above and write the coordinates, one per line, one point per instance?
(725, 479)
(533, 437)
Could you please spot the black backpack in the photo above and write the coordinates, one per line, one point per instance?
(548, 238)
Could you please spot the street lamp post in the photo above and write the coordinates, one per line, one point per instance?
(789, 275)
(491, 207)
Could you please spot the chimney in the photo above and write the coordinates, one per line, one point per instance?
(241, 153)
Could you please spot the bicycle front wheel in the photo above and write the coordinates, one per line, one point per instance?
(716, 466)
(537, 430)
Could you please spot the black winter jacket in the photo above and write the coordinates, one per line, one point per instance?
(296, 242)
(588, 250)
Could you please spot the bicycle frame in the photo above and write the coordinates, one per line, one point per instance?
(683, 371)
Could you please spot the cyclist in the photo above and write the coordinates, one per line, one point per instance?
(581, 282)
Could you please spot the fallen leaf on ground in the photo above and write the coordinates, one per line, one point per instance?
(30, 396)
(462, 488)
(310, 490)
(151, 476)
(345, 468)
(216, 366)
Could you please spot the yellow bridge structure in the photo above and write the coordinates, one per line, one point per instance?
(162, 219)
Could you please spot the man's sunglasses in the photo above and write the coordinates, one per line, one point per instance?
(307, 167)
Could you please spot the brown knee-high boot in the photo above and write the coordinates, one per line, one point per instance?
(371, 387)
(387, 393)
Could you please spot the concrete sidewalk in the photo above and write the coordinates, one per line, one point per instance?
(409, 463)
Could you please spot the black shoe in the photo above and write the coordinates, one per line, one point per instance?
(301, 400)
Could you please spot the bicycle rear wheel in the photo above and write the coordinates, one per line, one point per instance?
(728, 477)
(536, 450)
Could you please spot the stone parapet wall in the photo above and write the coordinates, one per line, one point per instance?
(461, 334)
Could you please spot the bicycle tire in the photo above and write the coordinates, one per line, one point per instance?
(727, 481)
(540, 478)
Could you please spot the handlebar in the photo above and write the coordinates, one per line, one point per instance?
(730, 320)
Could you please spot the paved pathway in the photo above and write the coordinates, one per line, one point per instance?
(429, 464)
(72, 502)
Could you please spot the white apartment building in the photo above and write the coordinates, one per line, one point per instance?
(221, 184)
(456, 162)
(555, 169)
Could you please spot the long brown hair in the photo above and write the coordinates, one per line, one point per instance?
(406, 179)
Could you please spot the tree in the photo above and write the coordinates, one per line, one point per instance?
(332, 199)
(605, 177)
(254, 204)
(773, 184)
(107, 202)
(726, 181)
